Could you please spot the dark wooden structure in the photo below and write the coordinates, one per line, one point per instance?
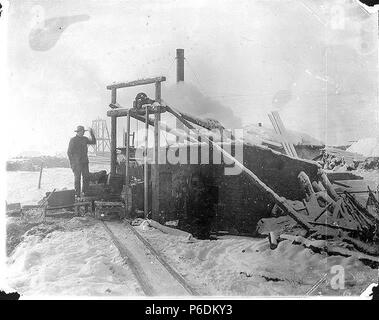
(114, 114)
(197, 192)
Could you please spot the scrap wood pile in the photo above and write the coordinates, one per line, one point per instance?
(325, 215)
(371, 163)
(338, 159)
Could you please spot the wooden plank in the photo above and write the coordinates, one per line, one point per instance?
(276, 129)
(127, 145)
(337, 209)
(272, 240)
(120, 111)
(341, 184)
(73, 205)
(155, 168)
(327, 185)
(134, 83)
(341, 176)
(283, 142)
(283, 133)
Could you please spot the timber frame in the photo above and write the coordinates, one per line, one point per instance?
(139, 115)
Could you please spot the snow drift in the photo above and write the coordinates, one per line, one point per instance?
(368, 147)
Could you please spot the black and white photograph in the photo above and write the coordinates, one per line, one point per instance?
(189, 150)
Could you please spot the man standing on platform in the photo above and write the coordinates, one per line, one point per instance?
(78, 155)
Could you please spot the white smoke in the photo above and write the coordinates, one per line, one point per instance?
(187, 98)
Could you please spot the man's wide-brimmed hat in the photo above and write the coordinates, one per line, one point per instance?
(79, 128)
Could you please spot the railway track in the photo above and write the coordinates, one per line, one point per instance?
(155, 276)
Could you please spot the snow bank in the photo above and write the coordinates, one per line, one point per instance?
(77, 259)
(255, 134)
(368, 147)
(241, 266)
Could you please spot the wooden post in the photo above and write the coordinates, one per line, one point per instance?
(40, 176)
(114, 95)
(127, 145)
(113, 144)
(145, 171)
(155, 167)
(272, 240)
(327, 185)
(113, 134)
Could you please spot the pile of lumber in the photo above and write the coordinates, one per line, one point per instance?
(336, 159)
(371, 163)
(327, 215)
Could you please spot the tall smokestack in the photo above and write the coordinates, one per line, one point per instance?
(179, 65)
(179, 78)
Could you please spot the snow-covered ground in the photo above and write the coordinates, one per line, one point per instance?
(242, 266)
(76, 256)
(72, 257)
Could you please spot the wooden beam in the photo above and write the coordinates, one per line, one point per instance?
(283, 132)
(123, 112)
(155, 168)
(276, 129)
(207, 124)
(127, 143)
(113, 144)
(114, 96)
(134, 83)
(327, 185)
(145, 168)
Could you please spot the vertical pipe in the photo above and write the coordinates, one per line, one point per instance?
(179, 65)
(145, 171)
(113, 144)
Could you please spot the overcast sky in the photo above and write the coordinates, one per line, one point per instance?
(314, 61)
